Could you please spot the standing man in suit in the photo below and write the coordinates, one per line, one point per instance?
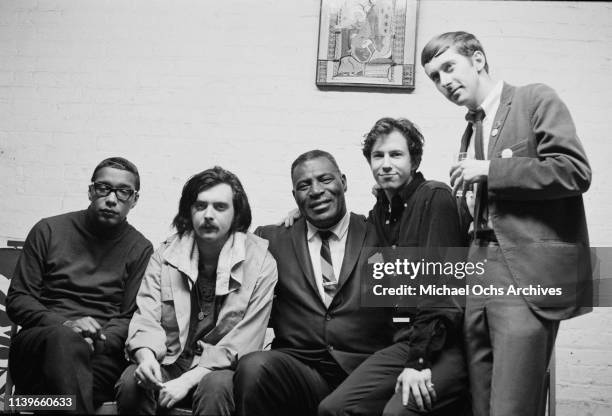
(322, 332)
(74, 292)
(530, 172)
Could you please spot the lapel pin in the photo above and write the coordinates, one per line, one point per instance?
(494, 132)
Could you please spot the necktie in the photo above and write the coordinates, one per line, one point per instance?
(475, 118)
(330, 284)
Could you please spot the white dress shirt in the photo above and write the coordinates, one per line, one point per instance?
(490, 106)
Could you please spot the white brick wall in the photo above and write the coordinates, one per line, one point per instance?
(179, 86)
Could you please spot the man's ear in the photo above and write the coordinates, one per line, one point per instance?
(293, 193)
(344, 182)
(479, 60)
(136, 196)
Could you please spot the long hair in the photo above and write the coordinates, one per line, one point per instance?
(206, 180)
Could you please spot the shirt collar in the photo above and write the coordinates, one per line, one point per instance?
(182, 253)
(232, 255)
(491, 102)
(405, 191)
(339, 230)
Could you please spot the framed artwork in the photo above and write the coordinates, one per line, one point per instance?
(369, 43)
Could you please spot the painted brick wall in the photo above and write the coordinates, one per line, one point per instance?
(180, 86)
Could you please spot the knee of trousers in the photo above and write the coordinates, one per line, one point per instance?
(127, 392)
(216, 385)
(330, 407)
(395, 408)
(62, 345)
(214, 394)
(127, 381)
(251, 369)
(334, 405)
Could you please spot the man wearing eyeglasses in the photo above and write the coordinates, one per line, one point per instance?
(73, 293)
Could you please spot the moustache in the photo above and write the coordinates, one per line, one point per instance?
(209, 226)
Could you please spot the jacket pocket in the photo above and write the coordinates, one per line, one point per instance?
(550, 271)
(168, 312)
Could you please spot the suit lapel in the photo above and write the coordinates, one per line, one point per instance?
(500, 118)
(302, 254)
(354, 242)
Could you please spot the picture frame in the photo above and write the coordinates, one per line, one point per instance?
(367, 43)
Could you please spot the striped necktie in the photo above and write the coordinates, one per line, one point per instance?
(330, 284)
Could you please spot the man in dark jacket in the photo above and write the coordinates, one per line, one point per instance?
(322, 332)
(529, 170)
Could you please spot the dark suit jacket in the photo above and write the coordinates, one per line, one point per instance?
(303, 326)
(537, 175)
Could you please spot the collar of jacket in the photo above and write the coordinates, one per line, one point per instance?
(182, 253)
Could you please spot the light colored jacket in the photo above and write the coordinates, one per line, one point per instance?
(246, 273)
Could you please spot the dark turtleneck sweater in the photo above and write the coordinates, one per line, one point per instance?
(71, 267)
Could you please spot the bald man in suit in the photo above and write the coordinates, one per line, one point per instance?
(322, 332)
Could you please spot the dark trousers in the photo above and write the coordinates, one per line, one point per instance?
(369, 390)
(275, 383)
(56, 360)
(213, 396)
(508, 347)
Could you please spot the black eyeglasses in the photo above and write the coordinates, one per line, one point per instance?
(100, 190)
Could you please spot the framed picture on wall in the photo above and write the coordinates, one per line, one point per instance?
(368, 43)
